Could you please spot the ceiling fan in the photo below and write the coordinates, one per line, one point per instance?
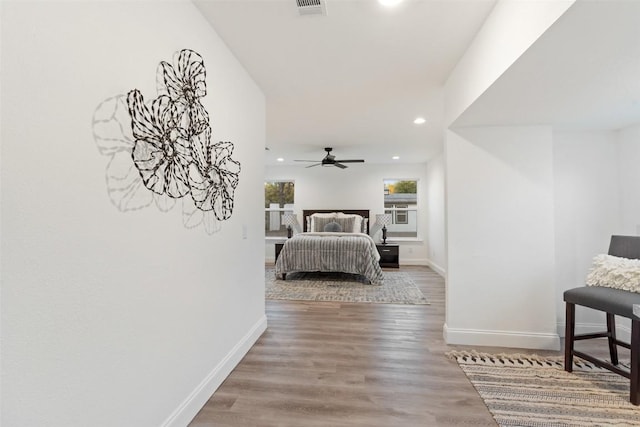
(330, 160)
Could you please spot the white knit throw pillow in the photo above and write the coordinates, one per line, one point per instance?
(615, 272)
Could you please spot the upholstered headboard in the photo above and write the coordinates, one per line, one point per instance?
(308, 212)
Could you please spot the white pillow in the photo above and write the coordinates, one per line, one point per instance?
(615, 272)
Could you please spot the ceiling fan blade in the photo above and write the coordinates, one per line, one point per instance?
(351, 161)
(330, 160)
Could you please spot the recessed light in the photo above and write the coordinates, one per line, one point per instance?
(280, 159)
(389, 3)
(419, 120)
(395, 157)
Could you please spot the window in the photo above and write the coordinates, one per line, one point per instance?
(401, 215)
(401, 202)
(278, 200)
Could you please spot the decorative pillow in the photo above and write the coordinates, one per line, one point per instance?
(346, 224)
(365, 222)
(615, 272)
(357, 222)
(333, 227)
(318, 221)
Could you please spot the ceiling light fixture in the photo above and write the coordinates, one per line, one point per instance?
(280, 159)
(389, 3)
(419, 120)
(396, 157)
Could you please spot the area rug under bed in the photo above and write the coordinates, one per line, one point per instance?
(397, 288)
(529, 390)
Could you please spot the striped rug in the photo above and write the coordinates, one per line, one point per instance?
(530, 390)
(396, 288)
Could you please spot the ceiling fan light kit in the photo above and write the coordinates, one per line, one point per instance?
(330, 160)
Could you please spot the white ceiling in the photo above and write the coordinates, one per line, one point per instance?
(581, 74)
(354, 79)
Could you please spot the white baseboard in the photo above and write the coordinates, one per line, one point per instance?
(485, 338)
(199, 397)
(435, 267)
(425, 262)
(415, 261)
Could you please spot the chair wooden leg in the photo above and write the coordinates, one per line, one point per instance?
(611, 331)
(635, 362)
(570, 324)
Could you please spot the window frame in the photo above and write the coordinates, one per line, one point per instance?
(282, 232)
(401, 213)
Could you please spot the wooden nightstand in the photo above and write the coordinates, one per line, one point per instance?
(389, 255)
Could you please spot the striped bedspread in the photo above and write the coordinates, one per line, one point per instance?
(344, 252)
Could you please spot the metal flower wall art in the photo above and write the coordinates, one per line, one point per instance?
(168, 143)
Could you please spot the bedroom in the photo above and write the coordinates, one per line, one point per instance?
(360, 185)
(101, 293)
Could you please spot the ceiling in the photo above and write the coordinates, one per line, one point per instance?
(583, 73)
(354, 79)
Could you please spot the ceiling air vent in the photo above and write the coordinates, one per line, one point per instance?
(311, 7)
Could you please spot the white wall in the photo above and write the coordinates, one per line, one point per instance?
(587, 212)
(436, 220)
(500, 253)
(358, 187)
(115, 318)
(511, 28)
(597, 188)
(629, 159)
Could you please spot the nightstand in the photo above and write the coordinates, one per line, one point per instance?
(389, 255)
(278, 249)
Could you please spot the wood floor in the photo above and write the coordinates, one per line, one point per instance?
(336, 364)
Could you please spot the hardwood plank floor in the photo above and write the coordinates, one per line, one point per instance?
(338, 364)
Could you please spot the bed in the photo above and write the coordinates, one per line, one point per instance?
(345, 248)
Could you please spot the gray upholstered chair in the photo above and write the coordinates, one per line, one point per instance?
(614, 302)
